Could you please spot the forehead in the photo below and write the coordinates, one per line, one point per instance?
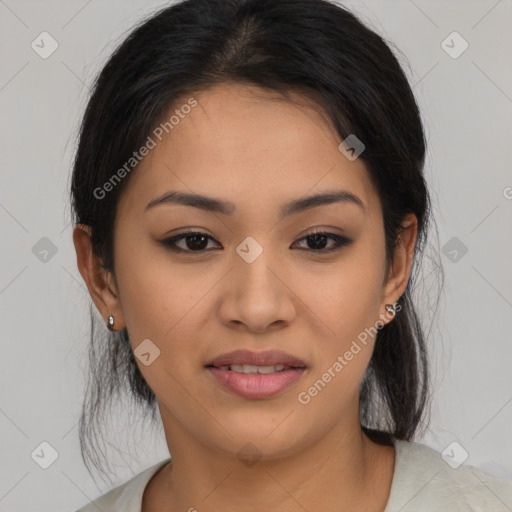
(244, 143)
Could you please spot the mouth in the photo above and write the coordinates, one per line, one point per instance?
(249, 369)
(256, 375)
(246, 361)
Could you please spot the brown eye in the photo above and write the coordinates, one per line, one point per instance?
(194, 241)
(318, 242)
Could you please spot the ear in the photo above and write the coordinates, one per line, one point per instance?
(400, 269)
(100, 283)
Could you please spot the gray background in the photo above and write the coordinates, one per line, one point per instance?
(467, 107)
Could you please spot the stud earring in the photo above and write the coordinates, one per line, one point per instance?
(110, 323)
(390, 308)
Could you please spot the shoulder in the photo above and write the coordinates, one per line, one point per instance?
(424, 481)
(126, 497)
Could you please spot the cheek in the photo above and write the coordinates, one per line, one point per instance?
(345, 296)
(161, 305)
(349, 307)
(161, 300)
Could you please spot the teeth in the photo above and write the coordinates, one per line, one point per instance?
(251, 368)
(270, 369)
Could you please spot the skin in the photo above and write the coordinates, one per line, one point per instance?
(245, 145)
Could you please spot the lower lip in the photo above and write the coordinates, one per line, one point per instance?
(256, 385)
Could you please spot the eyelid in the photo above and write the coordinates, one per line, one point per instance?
(170, 242)
(340, 241)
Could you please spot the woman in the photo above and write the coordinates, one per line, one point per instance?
(249, 205)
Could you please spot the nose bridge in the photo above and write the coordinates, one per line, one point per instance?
(253, 269)
(257, 295)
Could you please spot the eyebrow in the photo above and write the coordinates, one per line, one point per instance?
(211, 204)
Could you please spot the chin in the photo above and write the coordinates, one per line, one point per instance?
(264, 436)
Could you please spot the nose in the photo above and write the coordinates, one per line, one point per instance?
(257, 296)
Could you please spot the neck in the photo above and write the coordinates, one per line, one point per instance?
(344, 470)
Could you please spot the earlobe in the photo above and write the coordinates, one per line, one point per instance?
(99, 282)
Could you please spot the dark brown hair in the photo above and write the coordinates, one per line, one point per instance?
(314, 47)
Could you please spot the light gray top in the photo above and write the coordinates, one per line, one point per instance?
(422, 481)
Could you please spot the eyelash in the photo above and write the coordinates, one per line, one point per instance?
(340, 241)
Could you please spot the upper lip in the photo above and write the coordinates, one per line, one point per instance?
(265, 358)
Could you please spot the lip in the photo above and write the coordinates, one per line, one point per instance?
(256, 385)
(265, 358)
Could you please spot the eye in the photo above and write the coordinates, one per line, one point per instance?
(194, 241)
(317, 242)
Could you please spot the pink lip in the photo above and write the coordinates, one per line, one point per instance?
(265, 358)
(257, 385)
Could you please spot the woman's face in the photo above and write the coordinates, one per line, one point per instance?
(258, 280)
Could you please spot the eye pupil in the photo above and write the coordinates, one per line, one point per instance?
(318, 241)
(203, 241)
